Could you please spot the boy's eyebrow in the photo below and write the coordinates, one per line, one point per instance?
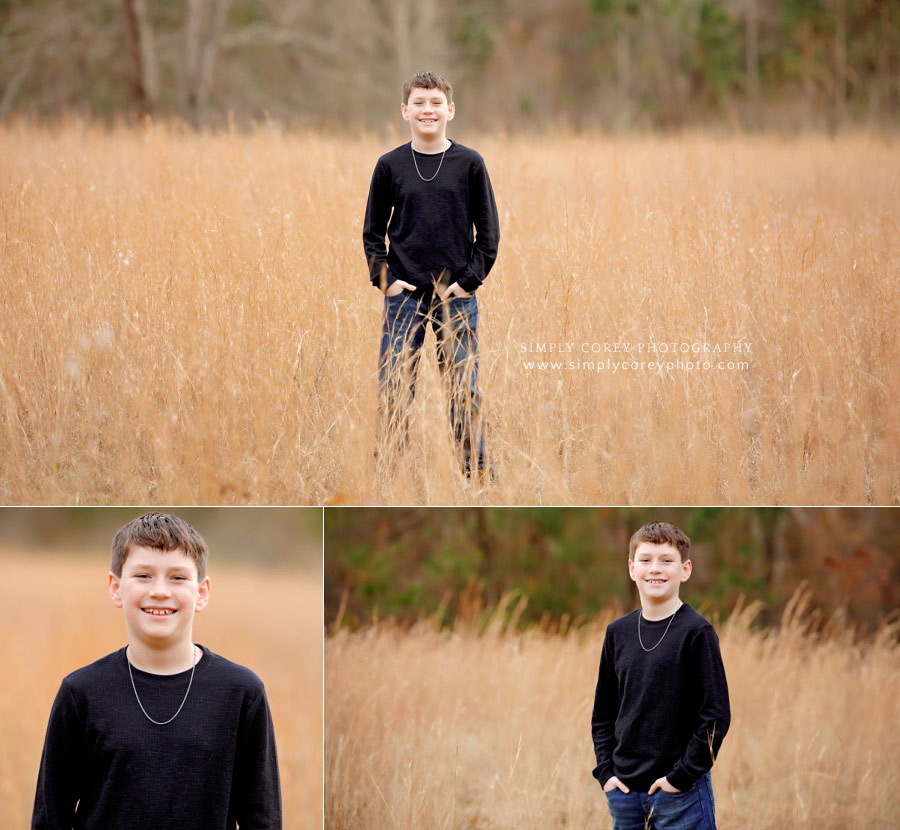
(138, 566)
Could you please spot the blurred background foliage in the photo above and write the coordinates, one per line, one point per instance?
(407, 563)
(260, 537)
(529, 64)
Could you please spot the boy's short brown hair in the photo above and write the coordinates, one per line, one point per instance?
(159, 531)
(428, 80)
(661, 533)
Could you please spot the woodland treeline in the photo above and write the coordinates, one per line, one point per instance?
(408, 563)
(288, 537)
(523, 64)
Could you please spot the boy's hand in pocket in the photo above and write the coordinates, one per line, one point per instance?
(398, 286)
(664, 785)
(613, 783)
(454, 291)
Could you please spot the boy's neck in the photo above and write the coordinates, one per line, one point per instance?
(435, 145)
(164, 659)
(659, 611)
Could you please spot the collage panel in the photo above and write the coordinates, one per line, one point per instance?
(554, 668)
(161, 668)
(433, 309)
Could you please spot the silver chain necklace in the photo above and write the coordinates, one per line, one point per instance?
(162, 722)
(439, 165)
(640, 614)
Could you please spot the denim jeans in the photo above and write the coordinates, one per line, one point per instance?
(690, 810)
(455, 324)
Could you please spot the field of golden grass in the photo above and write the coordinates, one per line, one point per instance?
(56, 616)
(453, 730)
(186, 319)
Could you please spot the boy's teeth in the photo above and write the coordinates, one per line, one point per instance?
(158, 612)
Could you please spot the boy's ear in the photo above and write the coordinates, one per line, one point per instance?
(404, 112)
(631, 569)
(115, 590)
(202, 595)
(686, 570)
(451, 111)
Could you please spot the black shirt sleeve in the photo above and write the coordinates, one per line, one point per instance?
(483, 210)
(375, 224)
(713, 711)
(258, 800)
(58, 788)
(606, 709)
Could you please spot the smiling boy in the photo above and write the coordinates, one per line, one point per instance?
(432, 198)
(162, 733)
(661, 704)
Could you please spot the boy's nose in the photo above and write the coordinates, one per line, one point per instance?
(159, 588)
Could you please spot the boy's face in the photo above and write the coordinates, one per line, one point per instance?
(159, 592)
(428, 113)
(658, 571)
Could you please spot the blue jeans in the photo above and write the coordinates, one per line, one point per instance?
(455, 324)
(690, 810)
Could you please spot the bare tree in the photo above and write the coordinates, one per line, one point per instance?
(145, 81)
(752, 56)
(840, 63)
(204, 27)
(412, 24)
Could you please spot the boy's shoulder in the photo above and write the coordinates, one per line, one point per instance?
(234, 674)
(693, 620)
(92, 675)
(623, 623)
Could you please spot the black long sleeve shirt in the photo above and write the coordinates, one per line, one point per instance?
(662, 712)
(105, 766)
(430, 224)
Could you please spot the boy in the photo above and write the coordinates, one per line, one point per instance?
(163, 733)
(427, 196)
(661, 704)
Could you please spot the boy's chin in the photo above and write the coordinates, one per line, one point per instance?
(157, 637)
(657, 597)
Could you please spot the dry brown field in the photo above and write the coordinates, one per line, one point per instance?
(56, 616)
(453, 730)
(186, 319)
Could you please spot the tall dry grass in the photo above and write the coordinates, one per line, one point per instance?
(56, 616)
(450, 730)
(186, 318)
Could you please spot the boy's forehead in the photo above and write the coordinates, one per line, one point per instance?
(653, 549)
(155, 557)
(422, 92)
